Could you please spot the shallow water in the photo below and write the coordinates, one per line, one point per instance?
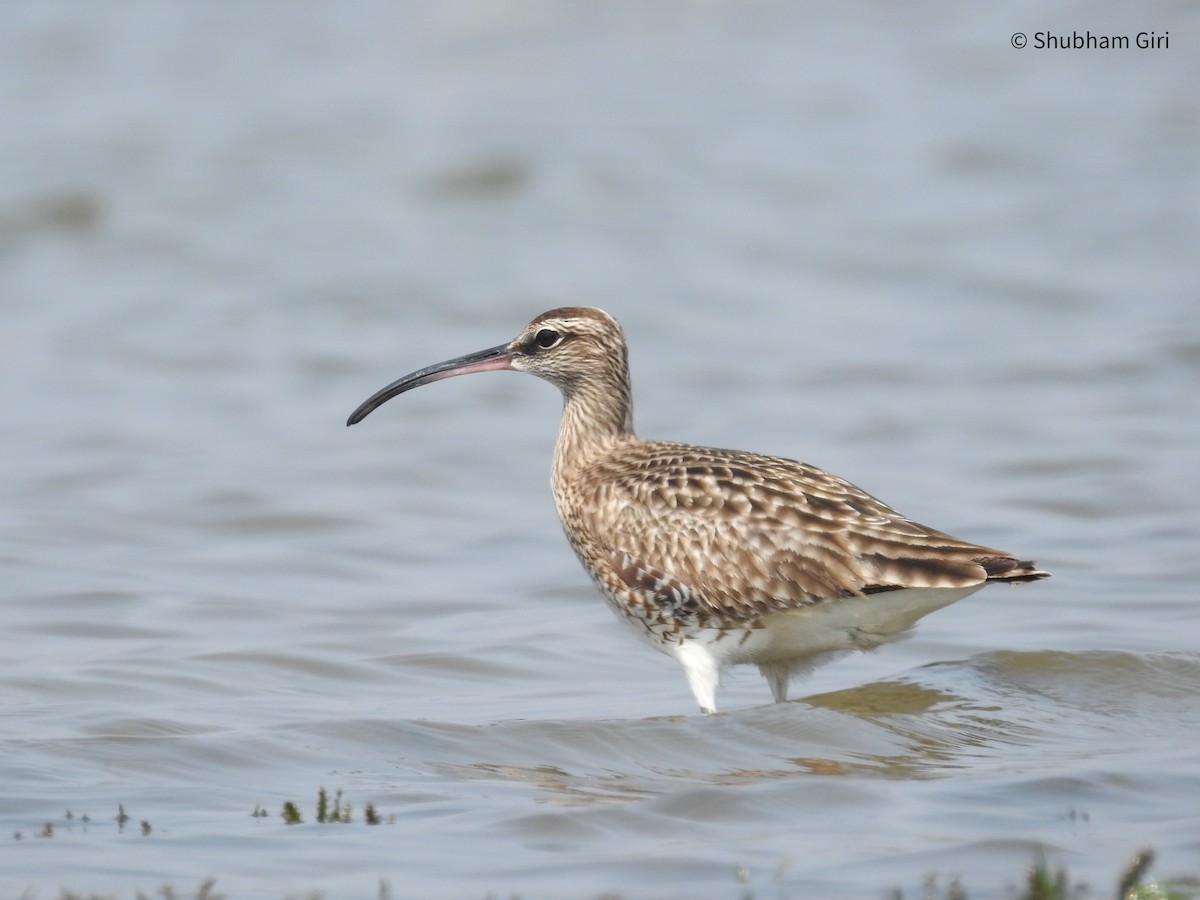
(961, 275)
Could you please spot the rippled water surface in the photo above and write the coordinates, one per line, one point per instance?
(884, 241)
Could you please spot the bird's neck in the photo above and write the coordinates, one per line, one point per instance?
(595, 417)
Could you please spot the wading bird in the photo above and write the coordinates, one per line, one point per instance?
(721, 557)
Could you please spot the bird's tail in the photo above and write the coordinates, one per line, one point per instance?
(1012, 571)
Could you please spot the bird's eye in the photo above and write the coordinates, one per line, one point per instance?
(547, 338)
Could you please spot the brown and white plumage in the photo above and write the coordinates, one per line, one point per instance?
(721, 557)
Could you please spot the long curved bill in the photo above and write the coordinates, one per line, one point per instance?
(491, 360)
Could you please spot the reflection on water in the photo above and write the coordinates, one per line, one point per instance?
(886, 698)
(930, 732)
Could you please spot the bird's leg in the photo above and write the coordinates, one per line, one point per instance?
(777, 676)
(703, 673)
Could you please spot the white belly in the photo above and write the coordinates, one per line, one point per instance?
(792, 642)
(853, 623)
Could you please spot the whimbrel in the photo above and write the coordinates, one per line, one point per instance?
(721, 557)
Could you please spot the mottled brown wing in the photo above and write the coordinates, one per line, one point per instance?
(747, 534)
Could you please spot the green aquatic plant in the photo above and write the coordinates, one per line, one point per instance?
(166, 892)
(322, 804)
(291, 814)
(335, 812)
(1043, 883)
(332, 810)
(203, 892)
(1039, 882)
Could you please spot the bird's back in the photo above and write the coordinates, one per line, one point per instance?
(744, 534)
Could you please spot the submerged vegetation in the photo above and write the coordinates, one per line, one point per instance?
(1038, 882)
(1041, 882)
(328, 811)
